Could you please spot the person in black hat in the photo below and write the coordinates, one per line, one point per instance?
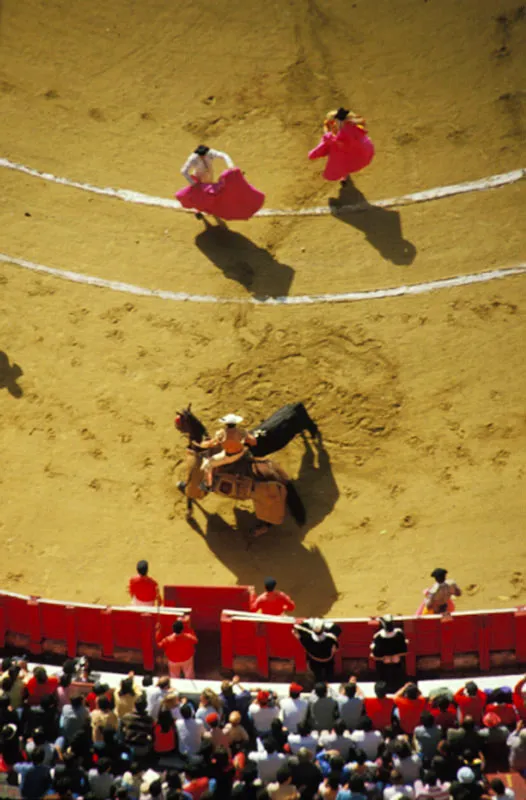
(388, 648)
(198, 167)
(321, 640)
(438, 597)
(346, 145)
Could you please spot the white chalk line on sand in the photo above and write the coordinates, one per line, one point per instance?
(438, 192)
(299, 300)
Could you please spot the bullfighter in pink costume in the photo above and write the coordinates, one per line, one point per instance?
(231, 197)
(346, 145)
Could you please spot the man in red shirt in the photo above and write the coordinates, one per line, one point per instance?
(471, 701)
(144, 591)
(380, 708)
(410, 704)
(40, 685)
(271, 601)
(179, 649)
(505, 711)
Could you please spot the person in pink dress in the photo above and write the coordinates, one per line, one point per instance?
(229, 198)
(346, 145)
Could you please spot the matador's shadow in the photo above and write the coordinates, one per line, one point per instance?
(243, 261)
(382, 226)
(9, 374)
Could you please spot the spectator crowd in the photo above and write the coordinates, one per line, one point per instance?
(144, 741)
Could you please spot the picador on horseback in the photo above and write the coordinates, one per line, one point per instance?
(232, 439)
(233, 462)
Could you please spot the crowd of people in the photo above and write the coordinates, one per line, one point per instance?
(60, 739)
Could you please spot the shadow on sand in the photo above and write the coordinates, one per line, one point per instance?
(382, 227)
(9, 374)
(310, 582)
(243, 261)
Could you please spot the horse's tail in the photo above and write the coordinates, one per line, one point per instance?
(295, 504)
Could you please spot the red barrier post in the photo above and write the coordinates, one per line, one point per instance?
(106, 632)
(71, 631)
(520, 634)
(227, 653)
(147, 641)
(35, 633)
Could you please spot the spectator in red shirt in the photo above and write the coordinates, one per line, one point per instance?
(40, 685)
(504, 710)
(271, 601)
(519, 698)
(471, 701)
(179, 649)
(445, 714)
(410, 704)
(144, 591)
(380, 708)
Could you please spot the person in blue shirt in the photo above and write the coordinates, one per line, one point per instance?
(354, 790)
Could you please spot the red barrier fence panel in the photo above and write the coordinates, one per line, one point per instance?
(208, 602)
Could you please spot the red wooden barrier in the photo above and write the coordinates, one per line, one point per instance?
(208, 602)
(481, 640)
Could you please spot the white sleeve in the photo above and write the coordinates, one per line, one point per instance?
(219, 154)
(187, 166)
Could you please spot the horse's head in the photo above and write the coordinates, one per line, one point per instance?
(188, 424)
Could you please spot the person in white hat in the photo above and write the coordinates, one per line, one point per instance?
(233, 441)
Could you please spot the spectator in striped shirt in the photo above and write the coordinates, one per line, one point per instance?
(430, 788)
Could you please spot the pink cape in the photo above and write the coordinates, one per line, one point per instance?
(232, 197)
(350, 150)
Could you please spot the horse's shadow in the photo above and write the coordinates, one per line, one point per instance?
(316, 483)
(382, 227)
(309, 582)
(9, 374)
(243, 261)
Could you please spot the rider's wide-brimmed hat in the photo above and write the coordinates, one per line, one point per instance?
(231, 419)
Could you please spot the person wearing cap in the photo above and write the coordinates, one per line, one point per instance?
(233, 442)
(388, 649)
(494, 736)
(293, 709)
(179, 649)
(471, 702)
(501, 792)
(272, 601)
(466, 787)
(346, 145)
(143, 590)
(215, 733)
(320, 640)
(262, 712)
(439, 596)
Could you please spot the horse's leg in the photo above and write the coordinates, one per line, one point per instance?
(189, 508)
(310, 424)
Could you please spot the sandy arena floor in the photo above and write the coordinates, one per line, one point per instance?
(421, 400)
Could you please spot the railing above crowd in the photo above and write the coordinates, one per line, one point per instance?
(254, 644)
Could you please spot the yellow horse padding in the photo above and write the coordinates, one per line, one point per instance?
(270, 499)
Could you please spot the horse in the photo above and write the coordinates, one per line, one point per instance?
(263, 481)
